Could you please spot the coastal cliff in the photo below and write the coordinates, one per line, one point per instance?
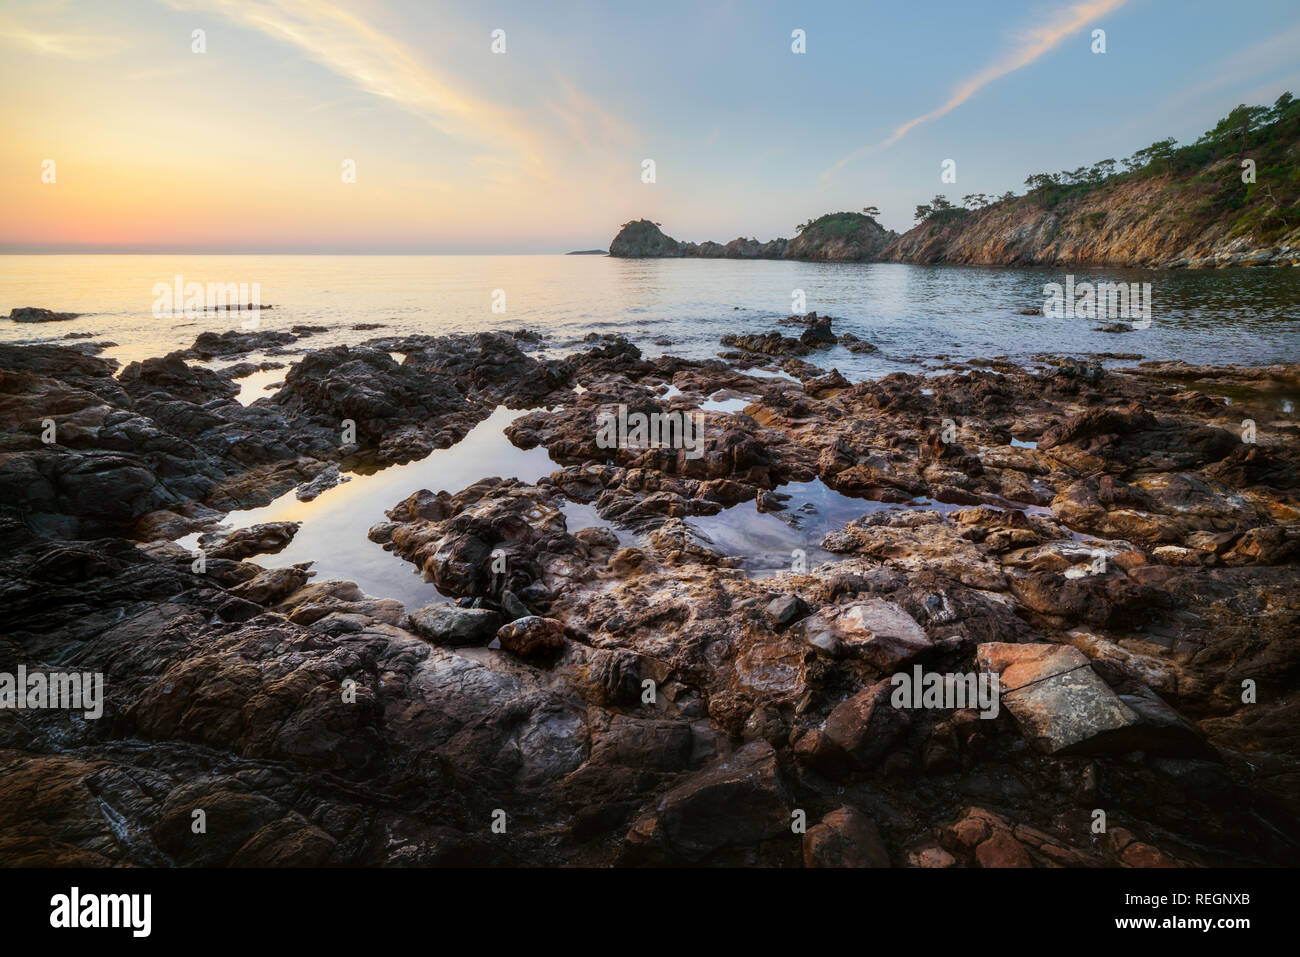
(1168, 220)
(1229, 199)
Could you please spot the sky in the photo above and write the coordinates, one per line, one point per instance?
(153, 145)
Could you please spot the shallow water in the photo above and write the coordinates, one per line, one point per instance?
(726, 405)
(334, 525)
(1246, 315)
(333, 533)
(258, 385)
(771, 542)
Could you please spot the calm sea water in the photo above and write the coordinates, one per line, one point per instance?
(963, 312)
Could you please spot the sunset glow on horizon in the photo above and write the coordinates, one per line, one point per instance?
(241, 146)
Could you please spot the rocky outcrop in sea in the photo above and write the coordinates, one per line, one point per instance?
(839, 237)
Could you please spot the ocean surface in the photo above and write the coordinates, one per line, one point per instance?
(962, 312)
(917, 315)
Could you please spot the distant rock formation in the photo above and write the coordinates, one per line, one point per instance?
(1134, 222)
(841, 237)
(641, 239)
(835, 237)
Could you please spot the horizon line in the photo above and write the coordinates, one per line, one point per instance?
(282, 252)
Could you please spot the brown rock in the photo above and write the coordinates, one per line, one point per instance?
(532, 636)
(844, 838)
(866, 725)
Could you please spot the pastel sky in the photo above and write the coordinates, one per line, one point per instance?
(458, 149)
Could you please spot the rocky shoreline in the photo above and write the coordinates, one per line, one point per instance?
(1118, 547)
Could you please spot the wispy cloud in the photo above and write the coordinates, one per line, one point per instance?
(68, 45)
(334, 104)
(348, 45)
(513, 143)
(587, 121)
(1032, 44)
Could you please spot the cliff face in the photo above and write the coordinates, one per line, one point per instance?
(1156, 221)
(837, 237)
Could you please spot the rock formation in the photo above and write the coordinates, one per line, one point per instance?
(627, 693)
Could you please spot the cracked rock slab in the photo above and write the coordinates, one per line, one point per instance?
(1056, 698)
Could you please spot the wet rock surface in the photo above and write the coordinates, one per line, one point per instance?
(39, 314)
(246, 542)
(624, 688)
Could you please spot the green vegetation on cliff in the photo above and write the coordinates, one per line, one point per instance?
(840, 237)
(1260, 200)
(837, 225)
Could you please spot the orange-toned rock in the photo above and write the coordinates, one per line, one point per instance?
(1055, 696)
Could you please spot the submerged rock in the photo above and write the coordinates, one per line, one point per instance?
(38, 314)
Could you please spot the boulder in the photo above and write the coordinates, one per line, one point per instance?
(271, 586)
(866, 725)
(734, 812)
(449, 625)
(878, 631)
(844, 838)
(785, 610)
(532, 636)
(264, 539)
